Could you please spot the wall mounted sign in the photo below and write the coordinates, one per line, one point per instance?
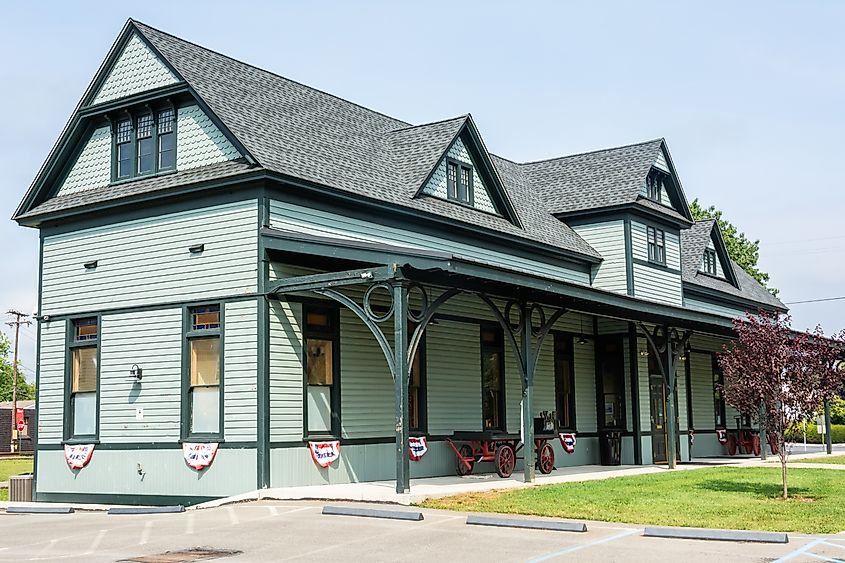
(324, 453)
(567, 440)
(77, 456)
(417, 447)
(199, 456)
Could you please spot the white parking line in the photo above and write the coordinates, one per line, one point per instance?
(579, 547)
(189, 523)
(233, 518)
(96, 543)
(800, 551)
(145, 533)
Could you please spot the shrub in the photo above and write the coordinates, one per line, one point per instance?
(796, 434)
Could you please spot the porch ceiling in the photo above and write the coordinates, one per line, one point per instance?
(447, 270)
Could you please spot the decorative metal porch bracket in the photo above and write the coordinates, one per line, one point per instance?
(528, 356)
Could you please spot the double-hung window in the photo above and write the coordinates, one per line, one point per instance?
(718, 400)
(459, 182)
(492, 378)
(204, 343)
(656, 245)
(84, 376)
(321, 341)
(144, 143)
(564, 381)
(709, 261)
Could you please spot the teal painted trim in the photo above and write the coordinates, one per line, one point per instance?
(722, 251)
(263, 375)
(682, 198)
(176, 91)
(68, 410)
(725, 299)
(186, 403)
(631, 209)
(135, 500)
(157, 306)
(629, 257)
(38, 367)
(633, 366)
(133, 446)
(657, 266)
(688, 389)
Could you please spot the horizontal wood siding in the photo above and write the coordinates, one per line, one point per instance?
(240, 367)
(153, 340)
(51, 386)
(147, 261)
(286, 371)
(454, 377)
(701, 377)
(608, 238)
(306, 220)
(656, 284)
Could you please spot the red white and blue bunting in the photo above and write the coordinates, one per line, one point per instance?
(722, 436)
(324, 453)
(199, 456)
(567, 440)
(77, 456)
(417, 447)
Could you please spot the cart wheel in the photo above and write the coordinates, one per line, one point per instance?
(546, 459)
(731, 444)
(505, 460)
(773, 446)
(462, 469)
(755, 445)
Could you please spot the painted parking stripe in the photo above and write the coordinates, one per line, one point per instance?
(587, 545)
(800, 551)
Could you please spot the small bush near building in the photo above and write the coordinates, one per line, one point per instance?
(796, 434)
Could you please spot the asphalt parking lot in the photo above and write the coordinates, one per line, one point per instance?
(290, 531)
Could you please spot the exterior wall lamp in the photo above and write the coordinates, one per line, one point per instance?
(196, 249)
(90, 265)
(136, 373)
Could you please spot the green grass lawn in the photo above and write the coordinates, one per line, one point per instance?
(724, 497)
(14, 466)
(838, 459)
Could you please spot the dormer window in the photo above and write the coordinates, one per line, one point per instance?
(708, 262)
(655, 185)
(144, 143)
(459, 182)
(656, 245)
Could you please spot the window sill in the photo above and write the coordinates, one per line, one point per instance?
(204, 438)
(81, 441)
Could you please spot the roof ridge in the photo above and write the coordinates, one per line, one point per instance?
(464, 116)
(218, 53)
(660, 139)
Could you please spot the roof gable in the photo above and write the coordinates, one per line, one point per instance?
(136, 69)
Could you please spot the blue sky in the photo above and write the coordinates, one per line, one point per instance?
(748, 96)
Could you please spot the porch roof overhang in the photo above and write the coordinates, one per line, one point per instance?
(448, 270)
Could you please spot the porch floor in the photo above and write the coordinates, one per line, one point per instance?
(436, 487)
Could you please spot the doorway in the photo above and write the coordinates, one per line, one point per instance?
(659, 430)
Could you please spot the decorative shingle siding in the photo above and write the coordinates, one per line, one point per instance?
(138, 69)
(660, 162)
(92, 168)
(200, 142)
(608, 239)
(146, 261)
(437, 184)
(653, 282)
(311, 221)
(240, 366)
(51, 382)
(153, 340)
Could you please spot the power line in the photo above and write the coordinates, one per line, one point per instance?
(816, 300)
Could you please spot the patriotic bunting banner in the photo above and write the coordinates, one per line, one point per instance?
(199, 456)
(324, 453)
(417, 447)
(722, 436)
(568, 442)
(78, 455)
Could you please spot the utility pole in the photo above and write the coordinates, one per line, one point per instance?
(19, 320)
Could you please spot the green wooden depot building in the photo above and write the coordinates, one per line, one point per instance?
(230, 257)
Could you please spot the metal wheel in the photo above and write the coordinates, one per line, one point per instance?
(462, 469)
(755, 445)
(546, 459)
(731, 444)
(505, 460)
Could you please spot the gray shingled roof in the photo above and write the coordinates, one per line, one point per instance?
(693, 242)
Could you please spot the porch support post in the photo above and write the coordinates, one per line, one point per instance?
(670, 376)
(633, 362)
(527, 358)
(828, 439)
(763, 441)
(400, 381)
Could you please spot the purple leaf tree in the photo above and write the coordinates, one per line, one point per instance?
(778, 376)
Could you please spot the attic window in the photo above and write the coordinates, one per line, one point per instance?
(459, 182)
(708, 261)
(144, 143)
(655, 184)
